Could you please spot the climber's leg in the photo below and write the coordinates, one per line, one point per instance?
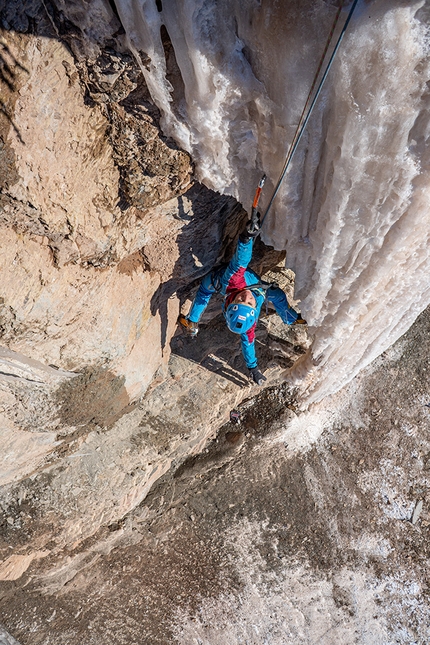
(190, 322)
(201, 300)
(288, 315)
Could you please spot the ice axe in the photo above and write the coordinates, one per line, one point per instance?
(255, 215)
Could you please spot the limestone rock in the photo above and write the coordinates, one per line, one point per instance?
(82, 254)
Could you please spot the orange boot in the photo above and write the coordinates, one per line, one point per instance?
(190, 328)
(300, 321)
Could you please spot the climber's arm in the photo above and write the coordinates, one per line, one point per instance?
(248, 351)
(248, 348)
(243, 254)
(240, 260)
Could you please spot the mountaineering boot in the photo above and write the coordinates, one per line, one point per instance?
(189, 327)
(300, 321)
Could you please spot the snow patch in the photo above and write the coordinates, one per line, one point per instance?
(297, 606)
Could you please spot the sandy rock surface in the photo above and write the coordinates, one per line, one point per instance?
(290, 527)
(101, 222)
(98, 462)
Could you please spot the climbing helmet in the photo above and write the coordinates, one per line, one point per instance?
(239, 317)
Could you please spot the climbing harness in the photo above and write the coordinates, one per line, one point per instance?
(307, 110)
(262, 286)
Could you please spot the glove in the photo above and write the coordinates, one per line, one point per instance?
(257, 376)
(252, 227)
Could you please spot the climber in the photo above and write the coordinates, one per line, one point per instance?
(244, 296)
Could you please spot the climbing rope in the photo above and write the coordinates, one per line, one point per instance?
(308, 110)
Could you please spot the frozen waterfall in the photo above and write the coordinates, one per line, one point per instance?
(352, 212)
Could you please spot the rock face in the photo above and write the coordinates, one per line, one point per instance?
(105, 233)
(287, 528)
(99, 214)
(102, 228)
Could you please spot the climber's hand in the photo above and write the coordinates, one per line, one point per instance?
(252, 227)
(189, 327)
(257, 376)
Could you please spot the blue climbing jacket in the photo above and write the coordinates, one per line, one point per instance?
(228, 281)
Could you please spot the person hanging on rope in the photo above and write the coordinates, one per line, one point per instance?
(244, 296)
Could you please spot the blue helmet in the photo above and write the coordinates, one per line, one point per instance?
(239, 317)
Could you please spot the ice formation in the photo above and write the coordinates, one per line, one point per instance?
(352, 212)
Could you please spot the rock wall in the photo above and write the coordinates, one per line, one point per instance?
(103, 230)
(104, 234)
(100, 215)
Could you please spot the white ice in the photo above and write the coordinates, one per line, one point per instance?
(352, 212)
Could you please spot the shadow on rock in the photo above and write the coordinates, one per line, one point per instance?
(212, 223)
(215, 348)
(94, 397)
(219, 350)
(9, 66)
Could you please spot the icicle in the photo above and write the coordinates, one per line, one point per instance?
(353, 211)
